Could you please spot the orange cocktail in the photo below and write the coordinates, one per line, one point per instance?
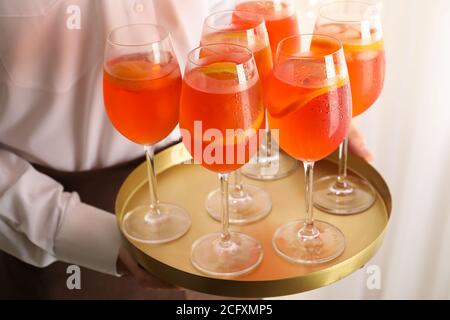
(241, 28)
(139, 92)
(247, 203)
(248, 29)
(358, 26)
(261, 51)
(220, 115)
(309, 101)
(302, 113)
(280, 17)
(311, 112)
(212, 94)
(365, 61)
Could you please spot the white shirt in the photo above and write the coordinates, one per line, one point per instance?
(52, 113)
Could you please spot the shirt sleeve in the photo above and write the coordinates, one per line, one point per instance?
(40, 223)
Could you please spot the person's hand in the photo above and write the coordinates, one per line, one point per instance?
(128, 266)
(357, 143)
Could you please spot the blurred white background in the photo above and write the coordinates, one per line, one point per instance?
(409, 132)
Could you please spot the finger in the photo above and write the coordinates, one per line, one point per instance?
(142, 276)
(357, 144)
(147, 280)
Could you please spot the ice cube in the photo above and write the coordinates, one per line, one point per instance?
(350, 34)
(331, 28)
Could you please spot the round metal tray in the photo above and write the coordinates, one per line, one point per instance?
(187, 185)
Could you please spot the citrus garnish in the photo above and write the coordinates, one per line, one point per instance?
(228, 36)
(135, 69)
(358, 47)
(354, 38)
(220, 70)
(306, 98)
(303, 81)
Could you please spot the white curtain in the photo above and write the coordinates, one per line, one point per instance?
(409, 131)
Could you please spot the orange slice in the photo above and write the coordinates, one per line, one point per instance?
(305, 99)
(135, 70)
(307, 80)
(239, 37)
(137, 75)
(220, 70)
(358, 47)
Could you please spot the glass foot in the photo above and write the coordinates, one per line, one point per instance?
(250, 205)
(356, 197)
(278, 166)
(239, 255)
(324, 244)
(143, 225)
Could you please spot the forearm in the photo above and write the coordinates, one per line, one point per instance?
(40, 223)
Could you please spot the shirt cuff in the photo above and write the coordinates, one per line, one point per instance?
(88, 237)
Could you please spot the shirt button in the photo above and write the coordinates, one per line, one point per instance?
(139, 7)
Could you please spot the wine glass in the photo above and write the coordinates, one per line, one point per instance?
(358, 26)
(280, 16)
(141, 89)
(281, 21)
(248, 203)
(221, 114)
(309, 101)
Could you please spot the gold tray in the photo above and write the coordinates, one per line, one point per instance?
(188, 186)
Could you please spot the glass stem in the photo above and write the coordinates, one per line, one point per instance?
(268, 142)
(225, 236)
(308, 229)
(150, 157)
(342, 174)
(238, 186)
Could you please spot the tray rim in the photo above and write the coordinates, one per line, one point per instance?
(177, 154)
